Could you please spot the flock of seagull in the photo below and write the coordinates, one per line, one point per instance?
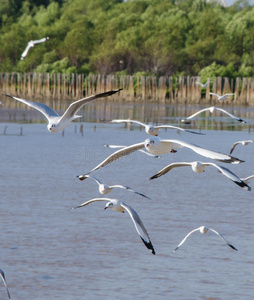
(152, 146)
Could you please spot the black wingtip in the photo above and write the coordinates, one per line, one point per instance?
(233, 247)
(242, 121)
(81, 177)
(242, 184)
(148, 245)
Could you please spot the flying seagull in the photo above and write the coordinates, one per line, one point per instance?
(204, 229)
(120, 206)
(105, 189)
(244, 143)
(222, 97)
(31, 44)
(199, 167)
(151, 129)
(203, 85)
(56, 122)
(157, 146)
(4, 281)
(212, 109)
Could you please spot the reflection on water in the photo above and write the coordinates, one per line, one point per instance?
(51, 252)
(106, 110)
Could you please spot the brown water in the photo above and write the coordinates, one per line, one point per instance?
(51, 252)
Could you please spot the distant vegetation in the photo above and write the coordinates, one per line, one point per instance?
(149, 37)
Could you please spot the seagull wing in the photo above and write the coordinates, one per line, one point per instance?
(4, 281)
(233, 147)
(198, 112)
(92, 177)
(230, 94)
(141, 150)
(229, 174)
(230, 245)
(205, 152)
(186, 238)
(75, 106)
(247, 178)
(128, 121)
(217, 95)
(141, 230)
(231, 115)
(169, 168)
(129, 189)
(177, 128)
(116, 155)
(40, 41)
(24, 54)
(43, 108)
(91, 201)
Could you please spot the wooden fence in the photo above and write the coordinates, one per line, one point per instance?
(54, 89)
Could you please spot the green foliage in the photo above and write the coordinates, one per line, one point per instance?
(158, 37)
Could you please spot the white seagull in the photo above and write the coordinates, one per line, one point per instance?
(105, 189)
(56, 122)
(221, 97)
(203, 85)
(244, 143)
(204, 229)
(157, 146)
(31, 44)
(151, 129)
(120, 206)
(212, 109)
(121, 147)
(4, 281)
(199, 167)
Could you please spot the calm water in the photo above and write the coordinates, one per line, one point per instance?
(51, 252)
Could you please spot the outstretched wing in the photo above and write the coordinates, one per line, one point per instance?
(141, 230)
(186, 238)
(41, 40)
(198, 112)
(116, 155)
(129, 189)
(230, 245)
(43, 108)
(231, 115)
(205, 152)
(91, 201)
(177, 128)
(5, 284)
(75, 106)
(169, 168)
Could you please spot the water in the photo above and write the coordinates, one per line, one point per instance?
(51, 252)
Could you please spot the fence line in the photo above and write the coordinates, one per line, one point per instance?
(53, 89)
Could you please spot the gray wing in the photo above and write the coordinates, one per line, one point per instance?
(129, 189)
(231, 115)
(231, 176)
(40, 41)
(91, 201)
(184, 239)
(177, 128)
(205, 152)
(43, 108)
(141, 230)
(230, 245)
(198, 112)
(116, 155)
(141, 150)
(75, 106)
(5, 284)
(127, 121)
(169, 168)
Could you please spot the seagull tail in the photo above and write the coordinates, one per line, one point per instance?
(148, 245)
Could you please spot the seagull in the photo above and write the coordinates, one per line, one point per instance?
(246, 179)
(56, 122)
(204, 229)
(4, 281)
(244, 143)
(223, 97)
(31, 44)
(105, 189)
(212, 109)
(151, 129)
(199, 167)
(157, 146)
(203, 85)
(120, 206)
(141, 150)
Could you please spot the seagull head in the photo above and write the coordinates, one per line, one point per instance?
(151, 130)
(203, 229)
(52, 127)
(149, 143)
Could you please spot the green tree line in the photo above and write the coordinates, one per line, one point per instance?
(149, 37)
